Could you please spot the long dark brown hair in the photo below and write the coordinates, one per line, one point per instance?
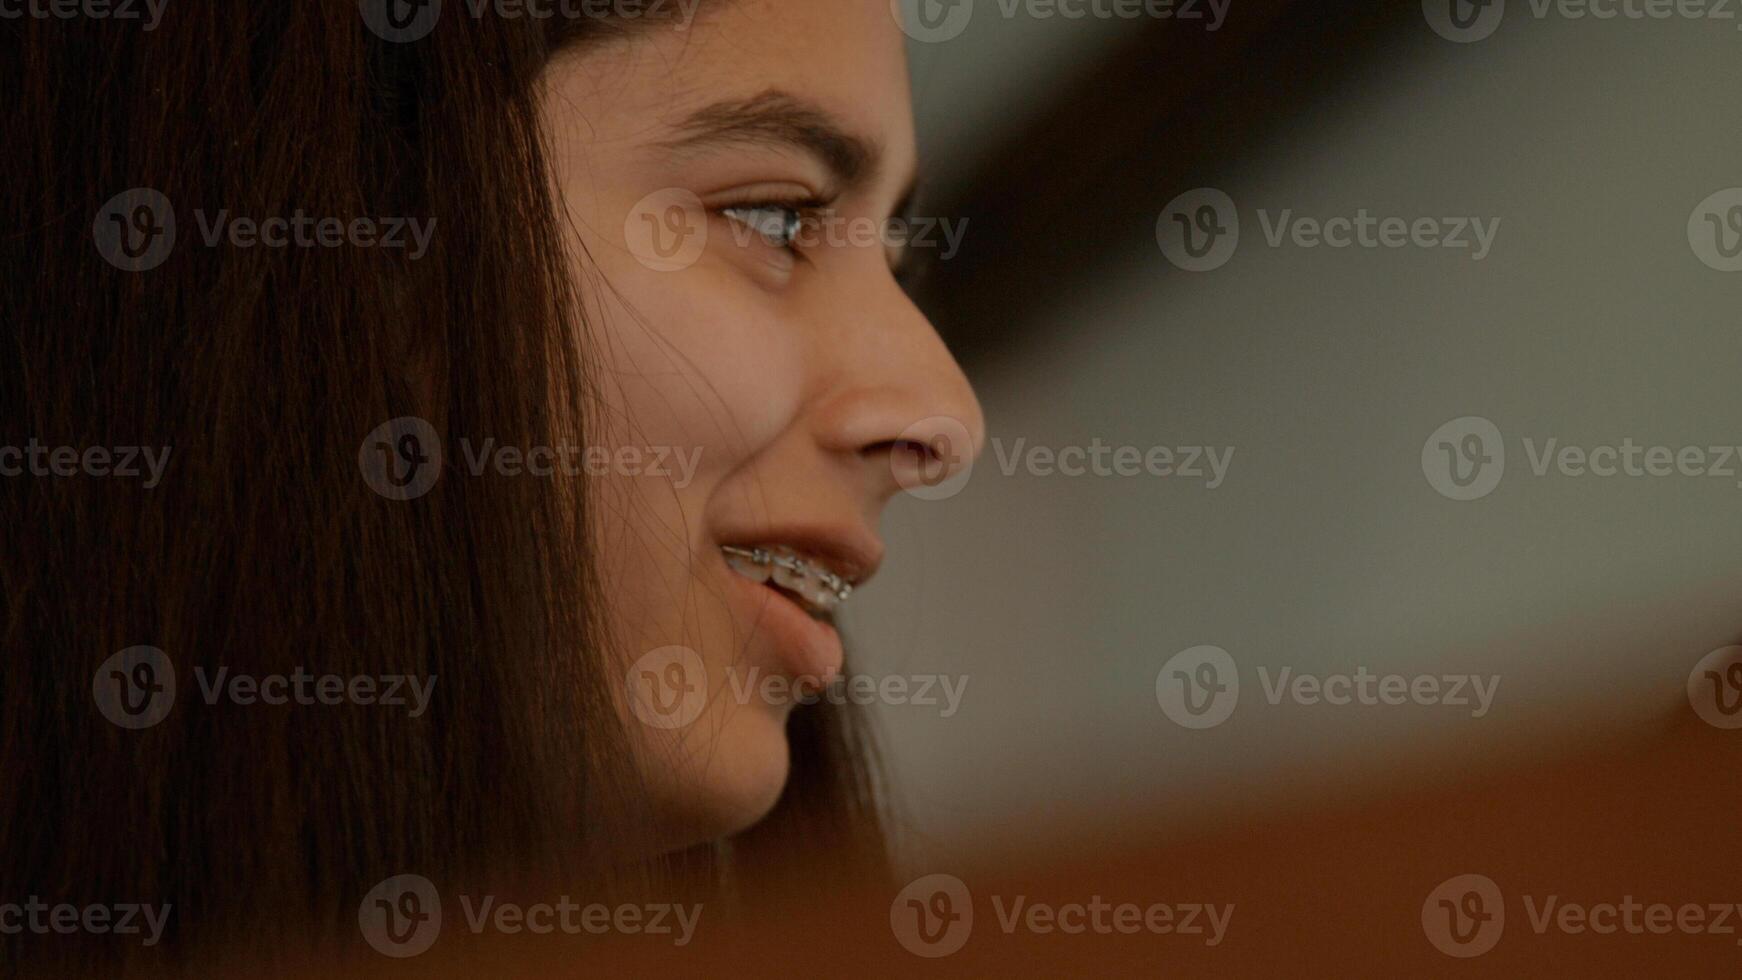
(262, 548)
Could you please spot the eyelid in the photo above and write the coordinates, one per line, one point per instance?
(771, 191)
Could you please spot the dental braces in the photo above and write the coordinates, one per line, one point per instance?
(792, 563)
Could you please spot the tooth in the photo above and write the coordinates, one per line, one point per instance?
(809, 581)
(792, 578)
(751, 564)
(755, 571)
(822, 597)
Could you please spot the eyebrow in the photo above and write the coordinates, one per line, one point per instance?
(776, 118)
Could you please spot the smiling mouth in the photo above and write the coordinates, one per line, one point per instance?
(805, 579)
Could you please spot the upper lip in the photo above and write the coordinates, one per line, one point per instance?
(849, 551)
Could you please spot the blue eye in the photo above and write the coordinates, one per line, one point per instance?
(778, 224)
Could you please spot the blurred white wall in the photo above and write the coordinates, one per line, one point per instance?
(1326, 549)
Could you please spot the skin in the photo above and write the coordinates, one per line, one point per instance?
(808, 381)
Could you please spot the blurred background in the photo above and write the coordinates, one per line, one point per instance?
(1590, 149)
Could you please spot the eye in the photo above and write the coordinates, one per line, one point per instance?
(778, 224)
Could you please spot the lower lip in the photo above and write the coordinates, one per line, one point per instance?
(809, 648)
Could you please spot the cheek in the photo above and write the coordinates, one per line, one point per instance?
(697, 361)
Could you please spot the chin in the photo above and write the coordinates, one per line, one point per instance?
(729, 782)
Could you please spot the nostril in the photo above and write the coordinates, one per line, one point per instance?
(927, 458)
(919, 452)
(930, 457)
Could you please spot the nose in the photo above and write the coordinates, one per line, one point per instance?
(899, 405)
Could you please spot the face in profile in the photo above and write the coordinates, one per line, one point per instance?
(738, 328)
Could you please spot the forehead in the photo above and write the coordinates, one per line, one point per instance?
(845, 56)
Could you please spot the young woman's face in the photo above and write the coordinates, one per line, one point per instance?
(756, 392)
